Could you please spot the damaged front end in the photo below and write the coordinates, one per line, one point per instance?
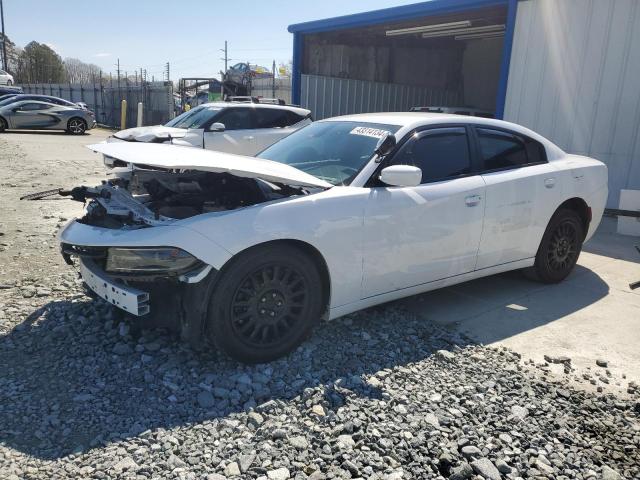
(134, 246)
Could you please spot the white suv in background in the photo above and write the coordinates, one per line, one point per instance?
(234, 127)
(5, 78)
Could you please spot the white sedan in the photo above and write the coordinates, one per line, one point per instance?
(346, 213)
(6, 78)
(234, 127)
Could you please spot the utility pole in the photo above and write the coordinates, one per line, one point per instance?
(4, 39)
(273, 80)
(224, 75)
(118, 71)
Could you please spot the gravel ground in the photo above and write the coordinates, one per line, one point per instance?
(378, 394)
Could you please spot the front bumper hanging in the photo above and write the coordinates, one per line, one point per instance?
(129, 299)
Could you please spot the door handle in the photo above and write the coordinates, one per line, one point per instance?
(549, 182)
(472, 200)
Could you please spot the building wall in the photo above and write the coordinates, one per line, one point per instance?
(429, 67)
(574, 77)
(331, 96)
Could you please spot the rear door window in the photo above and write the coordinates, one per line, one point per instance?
(440, 153)
(295, 117)
(236, 119)
(503, 150)
(271, 118)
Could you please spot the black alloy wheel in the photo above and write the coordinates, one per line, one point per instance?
(265, 303)
(563, 250)
(560, 247)
(76, 126)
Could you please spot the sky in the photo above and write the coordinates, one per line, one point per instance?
(188, 34)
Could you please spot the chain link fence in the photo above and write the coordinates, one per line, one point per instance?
(105, 101)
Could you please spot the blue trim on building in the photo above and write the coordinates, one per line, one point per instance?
(296, 74)
(501, 96)
(396, 14)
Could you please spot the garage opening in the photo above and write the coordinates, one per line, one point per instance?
(449, 60)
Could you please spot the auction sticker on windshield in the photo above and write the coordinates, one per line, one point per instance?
(369, 132)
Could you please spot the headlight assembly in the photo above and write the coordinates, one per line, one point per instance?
(148, 260)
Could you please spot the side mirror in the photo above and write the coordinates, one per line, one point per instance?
(217, 127)
(401, 176)
(385, 145)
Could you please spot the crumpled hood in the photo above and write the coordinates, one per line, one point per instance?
(187, 158)
(150, 134)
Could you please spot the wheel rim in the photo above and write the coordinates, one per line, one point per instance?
(268, 305)
(563, 247)
(76, 126)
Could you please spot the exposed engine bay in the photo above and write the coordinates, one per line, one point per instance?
(156, 197)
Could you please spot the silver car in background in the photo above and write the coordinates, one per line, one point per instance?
(36, 115)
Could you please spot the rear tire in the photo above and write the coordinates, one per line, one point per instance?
(560, 247)
(76, 126)
(265, 304)
(3, 125)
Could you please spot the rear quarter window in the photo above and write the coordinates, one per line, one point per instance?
(501, 150)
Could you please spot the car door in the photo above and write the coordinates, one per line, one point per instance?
(30, 115)
(238, 135)
(521, 195)
(417, 235)
(273, 124)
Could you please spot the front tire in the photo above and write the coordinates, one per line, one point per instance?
(3, 125)
(76, 126)
(560, 247)
(9, 83)
(265, 304)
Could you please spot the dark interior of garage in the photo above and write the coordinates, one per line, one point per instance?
(456, 53)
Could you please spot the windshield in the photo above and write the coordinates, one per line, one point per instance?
(195, 118)
(332, 151)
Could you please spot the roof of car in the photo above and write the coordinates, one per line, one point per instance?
(293, 108)
(417, 119)
(408, 121)
(29, 100)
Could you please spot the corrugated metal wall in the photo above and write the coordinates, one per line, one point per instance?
(575, 78)
(329, 96)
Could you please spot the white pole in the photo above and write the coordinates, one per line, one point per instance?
(139, 114)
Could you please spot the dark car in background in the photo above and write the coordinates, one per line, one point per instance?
(18, 97)
(243, 73)
(4, 90)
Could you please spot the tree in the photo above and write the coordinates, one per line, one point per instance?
(13, 53)
(78, 71)
(38, 63)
